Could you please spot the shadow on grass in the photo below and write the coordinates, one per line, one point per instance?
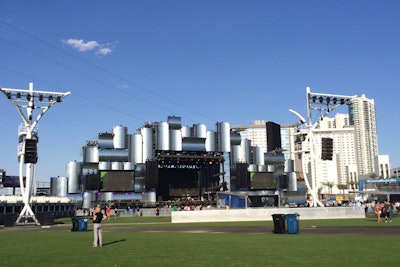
(113, 242)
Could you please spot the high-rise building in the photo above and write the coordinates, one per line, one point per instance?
(256, 132)
(363, 117)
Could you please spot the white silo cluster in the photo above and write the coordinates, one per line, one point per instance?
(120, 150)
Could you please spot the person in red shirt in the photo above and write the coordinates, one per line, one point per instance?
(108, 212)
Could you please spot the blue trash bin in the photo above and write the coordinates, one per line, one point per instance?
(82, 223)
(292, 221)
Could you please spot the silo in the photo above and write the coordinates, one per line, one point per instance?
(200, 130)
(113, 155)
(246, 150)
(140, 170)
(128, 166)
(59, 186)
(147, 135)
(104, 165)
(175, 140)
(252, 168)
(119, 139)
(210, 141)
(292, 183)
(73, 174)
(236, 139)
(174, 123)
(105, 141)
(90, 154)
(136, 148)
(87, 200)
(270, 168)
(258, 154)
(236, 155)
(224, 136)
(116, 166)
(162, 136)
(107, 196)
(193, 144)
(262, 168)
(186, 131)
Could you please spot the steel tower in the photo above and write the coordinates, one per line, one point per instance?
(31, 106)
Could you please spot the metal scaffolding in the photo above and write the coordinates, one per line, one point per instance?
(29, 103)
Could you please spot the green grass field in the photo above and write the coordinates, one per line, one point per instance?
(66, 248)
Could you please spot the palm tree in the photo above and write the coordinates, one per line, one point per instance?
(342, 187)
(330, 185)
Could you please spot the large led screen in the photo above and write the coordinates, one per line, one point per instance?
(262, 181)
(117, 181)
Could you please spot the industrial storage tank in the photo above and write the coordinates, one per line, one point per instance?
(252, 168)
(175, 140)
(262, 168)
(194, 144)
(59, 186)
(258, 153)
(274, 158)
(119, 139)
(200, 130)
(292, 181)
(117, 166)
(162, 136)
(246, 150)
(128, 166)
(136, 148)
(236, 154)
(147, 134)
(186, 131)
(73, 174)
(236, 139)
(105, 141)
(87, 200)
(210, 141)
(90, 154)
(113, 155)
(107, 196)
(174, 122)
(224, 142)
(140, 170)
(104, 165)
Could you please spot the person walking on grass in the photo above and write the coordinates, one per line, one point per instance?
(386, 211)
(98, 217)
(378, 211)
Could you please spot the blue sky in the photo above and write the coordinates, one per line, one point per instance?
(131, 62)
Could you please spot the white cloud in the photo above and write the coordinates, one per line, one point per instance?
(104, 51)
(82, 46)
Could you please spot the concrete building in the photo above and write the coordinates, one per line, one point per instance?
(363, 118)
(382, 166)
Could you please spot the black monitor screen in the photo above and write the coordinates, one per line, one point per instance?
(117, 181)
(262, 180)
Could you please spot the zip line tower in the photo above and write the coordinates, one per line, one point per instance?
(31, 106)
